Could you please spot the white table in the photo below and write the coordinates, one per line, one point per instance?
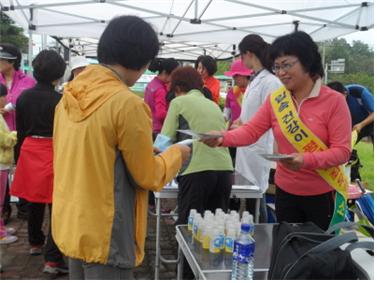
(241, 188)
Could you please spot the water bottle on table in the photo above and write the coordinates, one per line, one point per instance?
(243, 254)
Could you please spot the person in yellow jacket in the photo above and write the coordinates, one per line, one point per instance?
(8, 140)
(104, 161)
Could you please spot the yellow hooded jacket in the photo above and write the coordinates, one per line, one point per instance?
(8, 140)
(103, 166)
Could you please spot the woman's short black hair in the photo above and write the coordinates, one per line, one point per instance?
(208, 62)
(256, 44)
(301, 45)
(163, 64)
(3, 90)
(12, 50)
(128, 41)
(48, 66)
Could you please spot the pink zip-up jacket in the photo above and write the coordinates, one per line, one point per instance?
(155, 97)
(325, 113)
(20, 82)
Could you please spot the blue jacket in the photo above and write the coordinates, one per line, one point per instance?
(360, 102)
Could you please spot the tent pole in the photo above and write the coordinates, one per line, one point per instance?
(30, 46)
(324, 61)
(30, 51)
(196, 9)
(44, 41)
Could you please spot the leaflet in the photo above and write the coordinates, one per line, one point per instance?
(163, 142)
(276, 156)
(201, 136)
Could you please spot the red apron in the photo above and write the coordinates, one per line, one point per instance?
(33, 179)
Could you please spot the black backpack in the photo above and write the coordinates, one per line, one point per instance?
(305, 251)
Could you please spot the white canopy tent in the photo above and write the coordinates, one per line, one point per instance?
(189, 28)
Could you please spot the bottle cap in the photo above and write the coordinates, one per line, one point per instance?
(245, 227)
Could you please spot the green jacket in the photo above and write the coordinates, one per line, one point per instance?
(195, 112)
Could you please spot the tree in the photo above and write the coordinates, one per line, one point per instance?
(359, 60)
(223, 66)
(12, 34)
(358, 56)
(358, 78)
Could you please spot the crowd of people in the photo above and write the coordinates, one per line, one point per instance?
(88, 153)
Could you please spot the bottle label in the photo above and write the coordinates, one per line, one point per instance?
(215, 245)
(190, 221)
(243, 252)
(222, 241)
(206, 242)
(195, 229)
(229, 243)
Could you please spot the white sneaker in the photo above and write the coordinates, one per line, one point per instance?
(8, 240)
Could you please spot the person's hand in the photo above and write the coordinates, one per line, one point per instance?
(185, 152)
(213, 142)
(156, 150)
(2, 111)
(357, 128)
(236, 123)
(294, 164)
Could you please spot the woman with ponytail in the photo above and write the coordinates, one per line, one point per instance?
(254, 55)
(157, 89)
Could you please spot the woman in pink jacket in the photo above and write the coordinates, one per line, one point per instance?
(16, 82)
(155, 93)
(311, 124)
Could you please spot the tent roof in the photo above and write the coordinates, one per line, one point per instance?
(188, 28)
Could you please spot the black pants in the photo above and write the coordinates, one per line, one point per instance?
(36, 235)
(298, 209)
(202, 191)
(250, 207)
(151, 199)
(6, 205)
(22, 204)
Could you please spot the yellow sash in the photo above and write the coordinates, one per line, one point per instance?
(304, 140)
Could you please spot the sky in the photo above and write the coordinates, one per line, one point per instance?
(364, 36)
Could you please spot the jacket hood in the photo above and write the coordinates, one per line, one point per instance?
(89, 90)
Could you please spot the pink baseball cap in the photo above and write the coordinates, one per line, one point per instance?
(238, 68)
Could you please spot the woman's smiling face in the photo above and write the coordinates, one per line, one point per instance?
(290, 71)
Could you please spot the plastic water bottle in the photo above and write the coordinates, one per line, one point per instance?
(215, 241)
(191, 219)
(195, 225)
(229, 239)
(243, 255)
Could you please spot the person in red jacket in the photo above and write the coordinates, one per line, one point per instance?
(206, 66)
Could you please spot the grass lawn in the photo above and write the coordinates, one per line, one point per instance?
(366, 155)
